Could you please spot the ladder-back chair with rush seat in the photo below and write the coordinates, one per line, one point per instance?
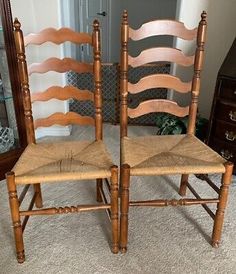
(61, 161)
(172, 154)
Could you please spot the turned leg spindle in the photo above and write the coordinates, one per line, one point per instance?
(114, 209)
(124, 208)
(223, 197)
(15, 214)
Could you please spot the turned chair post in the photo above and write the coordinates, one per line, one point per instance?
(124, 210)
(223, 197)
(97, 80)
(23, 71)
(15, 214)
(124, 75)
(97, 94)
(198, 63)
(114, 209)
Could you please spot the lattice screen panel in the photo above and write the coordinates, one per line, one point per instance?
(157, 93)
(110, 88)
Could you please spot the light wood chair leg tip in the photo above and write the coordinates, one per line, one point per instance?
(182, 193)
(215, 244)
(39, 205)
(21, 257)
(99, 199)
(123, 250)
(115, 249)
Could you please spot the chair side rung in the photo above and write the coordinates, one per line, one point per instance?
(173, 202)
(210, 183)
(62, 210)
(31, 205)
(208, 210)
(108, 185)
(23, 193)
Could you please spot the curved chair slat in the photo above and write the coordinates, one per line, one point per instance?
(158, 105)
(57, 37)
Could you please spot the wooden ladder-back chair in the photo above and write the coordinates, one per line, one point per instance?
(172, 154)
(65, 160)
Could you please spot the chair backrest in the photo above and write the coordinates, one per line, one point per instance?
(60, 65)
(160, 54)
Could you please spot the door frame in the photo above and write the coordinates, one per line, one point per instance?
(108, 27)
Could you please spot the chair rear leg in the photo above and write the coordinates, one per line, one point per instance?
(223, 197)
(124, 207)
(183, 184)
(114, 209)
(15, 214)
(38, 199)
(99, 187)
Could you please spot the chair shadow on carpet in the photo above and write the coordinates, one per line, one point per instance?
(183, 211)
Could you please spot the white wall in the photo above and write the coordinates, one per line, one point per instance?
(140, 11)
(115, 30)
(188, 12)
(34, 16)
(220, 35)
(67, 8)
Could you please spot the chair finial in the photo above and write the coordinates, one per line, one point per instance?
(204, 15)
(125, 16)
(96, 24)
(17, 24)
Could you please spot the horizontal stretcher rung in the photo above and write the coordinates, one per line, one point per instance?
(210, 183)
(208, 210)
(107, 185)
(173, 202)
(23, 193)
(62, 210)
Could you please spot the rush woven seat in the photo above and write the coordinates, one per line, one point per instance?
(167, 154)
(173, 154)
(67, 160)
(61, 161)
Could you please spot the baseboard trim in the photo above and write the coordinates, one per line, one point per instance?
(53, 131)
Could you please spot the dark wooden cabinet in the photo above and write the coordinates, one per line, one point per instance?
(222, 127)
(12, 126)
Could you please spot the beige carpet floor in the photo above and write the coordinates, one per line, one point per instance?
(161, 240)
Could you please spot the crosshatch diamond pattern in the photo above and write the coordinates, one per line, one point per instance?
(110, 88)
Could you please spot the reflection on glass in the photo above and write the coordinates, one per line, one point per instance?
(8, 129)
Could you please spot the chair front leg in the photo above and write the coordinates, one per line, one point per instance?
(114, 209)
(38, 199)
(223, 197)
(15, 214)
(124, 207)
(183, 184)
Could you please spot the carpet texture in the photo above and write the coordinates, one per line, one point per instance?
(161, 240)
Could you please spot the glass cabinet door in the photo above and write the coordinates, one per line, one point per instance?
(12, 124)
(9, 137)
